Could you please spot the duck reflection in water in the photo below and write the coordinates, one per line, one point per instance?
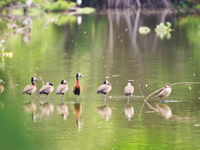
(31, 108)
(129, 111)
(46, 108)
(105, 112)
(63, 110)
(1, 86)
(77, 111)
(164, 110)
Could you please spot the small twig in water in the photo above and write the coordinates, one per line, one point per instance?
(40, 78)
(143, 102)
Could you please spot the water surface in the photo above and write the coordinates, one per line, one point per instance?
(105, 45)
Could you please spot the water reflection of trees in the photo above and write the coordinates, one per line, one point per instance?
(126, 23)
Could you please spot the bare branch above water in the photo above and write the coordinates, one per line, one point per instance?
(172, 84)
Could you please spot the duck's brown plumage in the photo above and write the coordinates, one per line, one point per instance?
(77, 87)
(62, 89)
(164, 92)
(46, 89)
(104, 88)
(30, 89)
(128, 90)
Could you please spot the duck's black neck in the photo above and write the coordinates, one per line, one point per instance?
(32, 81)
(77, 78)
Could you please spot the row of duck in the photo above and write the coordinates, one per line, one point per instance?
(47, 108)
(105, 88)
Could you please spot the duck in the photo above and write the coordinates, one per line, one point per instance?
(30, 89)
(47, 89)
(105, 88)
(62, 88)
(77, 87)
(128, 90)
(164, 92)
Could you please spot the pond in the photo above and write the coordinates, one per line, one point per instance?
(102, 46)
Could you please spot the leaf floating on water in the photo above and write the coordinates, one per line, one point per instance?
(197, 125)
(189, 88)
(146, 85)
(172, 101)
(115, 75)
(107, 77)
(150, 112)
(144, 30)
(131, 80)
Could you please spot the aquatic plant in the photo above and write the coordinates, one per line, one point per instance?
(163, 30)
(144, 30)
(85, 10)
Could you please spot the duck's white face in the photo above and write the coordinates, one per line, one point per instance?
(106, 82)
(35, 79)
(79, 75)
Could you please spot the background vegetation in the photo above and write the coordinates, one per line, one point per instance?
(66, 4)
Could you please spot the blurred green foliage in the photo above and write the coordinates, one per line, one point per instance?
(59, 5)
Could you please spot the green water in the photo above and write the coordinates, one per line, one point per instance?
(105, 45)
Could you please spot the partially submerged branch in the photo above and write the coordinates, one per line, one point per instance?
(172, 84)
(186, 83)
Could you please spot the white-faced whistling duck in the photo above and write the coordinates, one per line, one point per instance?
(30, 89)
(104, 89)
(128, 90)
(47, 89)
(77, 86)
(62, 88)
